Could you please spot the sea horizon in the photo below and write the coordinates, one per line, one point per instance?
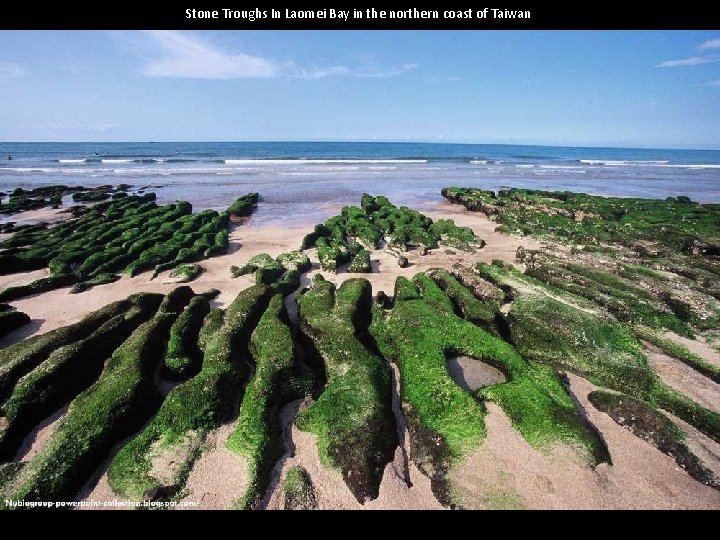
(369, 141)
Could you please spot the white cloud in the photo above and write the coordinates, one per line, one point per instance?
(710, 44)
(10, 70)
(692, 61)
(186, 57)
(179, 55)
(710, 83)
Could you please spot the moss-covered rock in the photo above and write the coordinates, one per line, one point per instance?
(186, 273)
(299, 491)
(550, 326)
(654, 427)
(37, 287)
(244, 206)
(295, 260)
(159, 459)
(21, 200)
(266, 269)
(66, 373)
(117, 405)
(476, 311)
(21, 358)
(11, 321)
(183, 356)
(211, 325)
(131, 234)
(679, 352)
(100, 279)
(361, 263)
(352, 418)
(445, 422)
(346, 238)
(649, 262)
(279, 378)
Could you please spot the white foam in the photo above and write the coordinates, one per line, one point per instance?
(115, 161)
(693, 166)
(561, 168)
(321, 161)
(71, 161)
(28, 169)
(620, 163)
(479, 162)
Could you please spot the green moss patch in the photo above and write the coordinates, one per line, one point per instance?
(444, 421)
(299, 491)
(114, 407)
(159, 459)
(279, 379)
(352, 418)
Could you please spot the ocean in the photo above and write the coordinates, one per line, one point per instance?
(304, 181)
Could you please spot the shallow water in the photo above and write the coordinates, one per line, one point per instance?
(299, 181)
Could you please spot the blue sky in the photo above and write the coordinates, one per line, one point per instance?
(647, 89)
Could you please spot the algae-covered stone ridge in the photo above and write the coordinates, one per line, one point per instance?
(295, 383)
(126, 235)
(350, 238)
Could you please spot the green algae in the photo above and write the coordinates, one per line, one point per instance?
(192, 409)
(445, 422)
(114, 407)
(352, 418)
(298, 490)
(279, 379)
(183, 356)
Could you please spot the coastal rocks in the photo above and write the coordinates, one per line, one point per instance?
(245, 206)
(361, 263)
(655, 428)
(299, 491)
(550, 326)
(21, 200)
(282, 273)
(131, 235)
(472, 309)
(11, 321)
(352, 417)
(676, 224)
(100, 279)
(161, 455)
(114, 407)
(266, 269)
(444, 421)
(185, 273)
(183, 357)
(378, 223)
(62, 376)
(279, 378)
(21, 358)
(295, 260)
